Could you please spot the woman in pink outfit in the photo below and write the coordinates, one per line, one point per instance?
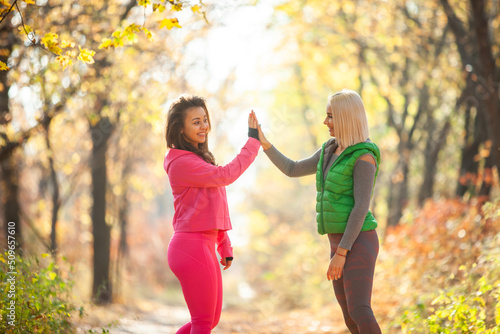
(201, 216)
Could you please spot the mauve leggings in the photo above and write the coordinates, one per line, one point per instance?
(191, 257)
(354, 289)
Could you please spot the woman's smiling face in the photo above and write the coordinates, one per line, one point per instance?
(329, 120)
(196, 126)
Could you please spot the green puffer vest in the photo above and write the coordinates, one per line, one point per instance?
(335, 197)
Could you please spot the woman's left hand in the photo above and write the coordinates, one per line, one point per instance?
(252, 120)
(226, 263)
(336, 267)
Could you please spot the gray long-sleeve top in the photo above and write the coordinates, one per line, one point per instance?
(363, 178)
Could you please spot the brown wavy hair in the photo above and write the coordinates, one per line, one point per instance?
(175, 123)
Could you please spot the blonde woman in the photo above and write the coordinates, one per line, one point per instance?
(346, 167)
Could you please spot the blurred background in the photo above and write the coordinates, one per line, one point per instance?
(82, 146)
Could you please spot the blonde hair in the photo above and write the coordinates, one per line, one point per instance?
(349, 117)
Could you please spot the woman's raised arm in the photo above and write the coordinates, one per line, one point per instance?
(288, 166)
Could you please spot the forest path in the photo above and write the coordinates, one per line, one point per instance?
(149, 317)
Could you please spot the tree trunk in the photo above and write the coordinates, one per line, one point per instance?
(101, 289)
(487, 93)
(474, 47)
(10, 191)
(123, 212)
(9, 187)
(398, 191)
(101, 132)
(469, 169)
(405, 148)
(486, 179)
(56, 199)
(473, 44)
(464, 166)
(433, 147)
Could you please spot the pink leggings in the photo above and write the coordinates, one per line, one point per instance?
(191, 257)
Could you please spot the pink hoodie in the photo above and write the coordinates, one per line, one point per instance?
(199, 191)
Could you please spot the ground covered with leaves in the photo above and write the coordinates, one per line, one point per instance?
(151, 317)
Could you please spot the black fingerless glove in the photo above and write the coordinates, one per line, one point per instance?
(229, 258)
(253, 133)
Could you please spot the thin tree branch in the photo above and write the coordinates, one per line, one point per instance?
(8, 12)
(24, 25)
(457, 26)
(36, 232)
(10, 146)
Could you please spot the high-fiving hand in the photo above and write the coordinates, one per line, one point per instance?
(252, 120)
(255, 125)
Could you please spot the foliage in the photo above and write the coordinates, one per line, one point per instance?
(50, 36)
(464, 307)
(442, 266)
(39, 293)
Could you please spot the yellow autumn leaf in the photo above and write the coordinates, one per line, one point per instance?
(130, 33)
(169, 23)
(49, 37)
(196, 9)
(50, 40)
(118, 42)
(26, 29)
(67, 44)
(3, 66)
(52, 275)
(64, 61)
(148, 33)
(5, 3)
(106, 43)
(131, 38)
(177, 7)
(158, 7)
(29, 2)
(86, 55)
(44, 255)
(143, 3)
(133, 28)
